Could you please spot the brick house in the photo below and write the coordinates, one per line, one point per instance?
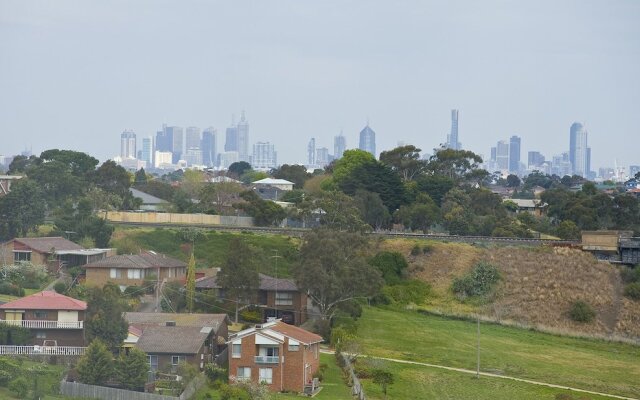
(282, 356)
(132, 269)
(278, 298)
(169, 339)
(49, 316)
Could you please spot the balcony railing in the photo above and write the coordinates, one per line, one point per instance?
(43, 324)
(267, 359)
(46, 350)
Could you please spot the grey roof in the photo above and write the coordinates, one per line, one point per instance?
(266, 283)
(192, 320)
(172, 339)
(146, 197)
(45, 244)
(273, 181)
(143, 260)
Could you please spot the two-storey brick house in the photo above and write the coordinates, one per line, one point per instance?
(50, 316)
(282, 356)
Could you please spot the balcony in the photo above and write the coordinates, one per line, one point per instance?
(266, 359)
(43, 324)
(42, 350)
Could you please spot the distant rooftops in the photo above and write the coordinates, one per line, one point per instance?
(144, 260)
(46, 300)
(273, 181)
(266, 283)
(146, 197)
(140, 319)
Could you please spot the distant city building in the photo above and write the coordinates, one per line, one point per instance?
(164, 139)
(579, 152)
(209, 147)
(339, 146)
(162, 159)
(147, 150)
(311, 152)
(192, 139)
(606, 174)
(452, 138)
(127, 144)
(502, 155)
(368, 140)
(264, 156)
(227, 158)
(633, 170)
(193, 156)
(177, 142)
(322, 157)
(243, 139)
(514, 154)
(535, 159)
(561, 165)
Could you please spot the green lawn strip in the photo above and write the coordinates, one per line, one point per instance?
(419, 382)
(582, 363)
(333, 386)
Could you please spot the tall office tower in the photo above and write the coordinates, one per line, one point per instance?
(535, 159)
(322, 157)
(231, 137)
(578, 150)
(311, 152)
(243, 139)
(368, 140)
(452, 138)
(502, 155)
(227, 158)
(127, 144)
(192, 138)
(264, 156)
(177, 144)
(494, 153)
(164, 139)
(193, 156)
(514, 154)
(147, 150)
(339, 145)
(209, 147)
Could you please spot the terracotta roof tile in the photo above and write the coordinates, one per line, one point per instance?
(296, 333)
(45, 301)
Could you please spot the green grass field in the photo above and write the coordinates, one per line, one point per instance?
(586, 364)
(212, 249)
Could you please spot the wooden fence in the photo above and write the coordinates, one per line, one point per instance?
(75, 389)
(176, 219)
(356, 387)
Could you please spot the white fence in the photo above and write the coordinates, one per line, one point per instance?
(42, 350)
(43, 324)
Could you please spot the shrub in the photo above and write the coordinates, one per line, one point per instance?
(134, 292)
(19, 386)
(632, 290)
(251, 315)
(427, 248)
(478, 282)
(413, 291)
(630, 275)
(581, 312)
(416, 250)
(215, 373)
(60, 287)
(11, 289)
(390, 264)
(5, 377)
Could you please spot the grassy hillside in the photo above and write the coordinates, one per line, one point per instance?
(583, 363)
(211, 250)
(538, 286)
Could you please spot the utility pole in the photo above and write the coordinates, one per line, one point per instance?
(478, 350)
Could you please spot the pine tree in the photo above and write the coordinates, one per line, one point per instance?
(132, 369)
(96, 366)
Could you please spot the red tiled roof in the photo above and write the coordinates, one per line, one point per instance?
(45, 244)
(296, 333)
(45, 301)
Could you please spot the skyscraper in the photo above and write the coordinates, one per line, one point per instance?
(147, 150)
(243, 139)
(514, 154)
(322, 157)
(264, 156)
(175, 133)
(578, 150)
(452, 138)
(368, 140)
(164, 139)
(502, 155)
(231, 137)
(535, 159)
(311, 152)
(192, 138)
(127, 144)
(339, 145)
(209, 147)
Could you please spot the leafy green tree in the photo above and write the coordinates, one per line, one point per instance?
(264, 212)
(22, 209)
(104, 318)
(568, 230)
(96, 365)
(112, 178)
(250, 176)
(391, 265)
(372, 209)
(376, 178)
(132, 369)
(337, 211)
(78, 163)
(157, 188)
(293, 196)
(19, 386)
(57, 182)
(405, 161)
(351, 160)
(182, 201)
(239, 274)
(421, 214)
(293, 173)
(383, 378)
(454, 164)
(513, 181)
(333, 269)
(238, 168)
(436, 186)
(140, 177)
(21, 164)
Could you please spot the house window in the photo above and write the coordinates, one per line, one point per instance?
(284, 298)
(41, 335)
(244, 373)
(134, 273)
(236, 350)
(40, 314)
(294, 346)
(175, 360)
(115, 273)
(21, 256)
(266, 375)
(153, 362)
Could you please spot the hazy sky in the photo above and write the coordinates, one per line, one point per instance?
(75, 74)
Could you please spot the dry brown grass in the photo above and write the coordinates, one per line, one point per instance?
(538, 286)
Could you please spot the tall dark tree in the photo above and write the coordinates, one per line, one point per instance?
(239, 274)
(104, 318)
(333, 270)
(140, 177)
(293, 173)
(372, 209)
(238, 168)
(78, 163)
(22, 210)
(264, 213)
(419, 215)
(454, 164)
(96, 365)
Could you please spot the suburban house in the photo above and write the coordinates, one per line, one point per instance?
(532, 206)
(282, 356)
(271, 189)
(149, 202)
(51, 317)
(54, 252)
(132, 269)
(278, 298)
(5, 183)
(169, 339)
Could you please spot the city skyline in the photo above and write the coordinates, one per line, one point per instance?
(297, 80)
